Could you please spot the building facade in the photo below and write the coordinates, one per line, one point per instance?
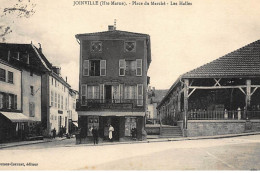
(73, 115)
(113, 83)
(28, 84)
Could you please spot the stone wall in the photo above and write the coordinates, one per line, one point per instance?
(218, 127)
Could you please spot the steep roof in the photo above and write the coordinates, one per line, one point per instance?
(159, 95)
(241, 62)
(35, 56)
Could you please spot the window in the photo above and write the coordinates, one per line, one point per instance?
(10, 77)
(55, 83)
(130, 92)
(83, 94)
(61, 102)
(130, 46)
(66, 104)
(139, 67)
(52, 98)
(122, 67)
(130, 68)
(31, 109)
(93, 92)
(94, 68)
(2, 75)
(103, 68)
(1, 100)
(139, 94)
(96, 46)
(32, 90)
(55, 100)
(58, 101)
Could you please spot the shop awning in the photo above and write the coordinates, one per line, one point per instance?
(76, 124)
(15, 116)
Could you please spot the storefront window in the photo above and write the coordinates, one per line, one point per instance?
(130, 123)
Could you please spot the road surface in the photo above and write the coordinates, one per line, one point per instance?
(237, 153)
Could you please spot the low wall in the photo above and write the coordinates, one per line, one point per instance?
(219, 127)
(152, 130)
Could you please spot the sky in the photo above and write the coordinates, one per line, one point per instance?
(182, 37)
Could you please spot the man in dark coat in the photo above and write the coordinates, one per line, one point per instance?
(95, 135)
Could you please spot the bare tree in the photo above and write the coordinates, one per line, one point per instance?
(19, 9)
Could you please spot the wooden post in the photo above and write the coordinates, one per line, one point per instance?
(185, 106)
(248, 97)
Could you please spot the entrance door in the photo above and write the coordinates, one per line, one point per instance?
(108, 93)
(59, 123)
(114, 121)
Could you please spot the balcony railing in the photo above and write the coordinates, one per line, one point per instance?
(109, 104)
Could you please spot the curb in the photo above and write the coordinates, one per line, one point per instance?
(37, 142)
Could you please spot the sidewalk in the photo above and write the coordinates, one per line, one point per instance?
(15, 144)
(21, 143)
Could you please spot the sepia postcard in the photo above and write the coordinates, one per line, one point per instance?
(130, 85)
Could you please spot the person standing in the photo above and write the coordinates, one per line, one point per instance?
(54, 133)
(110, 133)
(95, 135)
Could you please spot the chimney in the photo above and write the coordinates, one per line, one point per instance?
(40, 47)
(149, 88)
(153, 88)
(110, 28)
(66, 78)
(56, 70)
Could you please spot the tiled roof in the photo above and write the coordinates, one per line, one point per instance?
(114, 33)
(159, 95)
(242, 62)
(35, 62)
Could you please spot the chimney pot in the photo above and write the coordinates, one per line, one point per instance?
(110, 28)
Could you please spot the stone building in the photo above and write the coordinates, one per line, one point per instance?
(113, 82)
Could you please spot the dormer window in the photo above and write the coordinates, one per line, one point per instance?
(96, 46)
(130, 46)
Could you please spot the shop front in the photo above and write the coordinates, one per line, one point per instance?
(126, 127)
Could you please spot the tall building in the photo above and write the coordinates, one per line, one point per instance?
(20, 90)
(113, 83)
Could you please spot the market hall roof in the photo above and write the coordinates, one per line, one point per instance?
(242, 62)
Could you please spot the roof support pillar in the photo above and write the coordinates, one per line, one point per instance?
(185, 106)
(248, 97)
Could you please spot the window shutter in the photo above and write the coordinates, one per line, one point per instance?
(103, 68)
(122, 67)
(86, 68)
(101, 87)
(83, 94)
(121, 92)
(139, 67)
(139, 94)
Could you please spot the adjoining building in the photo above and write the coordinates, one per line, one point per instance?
(113, 83)
(220, 97)
(20, 98)
(155, 96)
(73, 115)
(34, 98)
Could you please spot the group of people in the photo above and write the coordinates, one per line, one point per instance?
(95, 133)
(61, 132)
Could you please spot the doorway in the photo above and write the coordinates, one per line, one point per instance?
(108, 93)
(114, 121)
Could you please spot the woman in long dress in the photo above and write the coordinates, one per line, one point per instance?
(110, 133)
